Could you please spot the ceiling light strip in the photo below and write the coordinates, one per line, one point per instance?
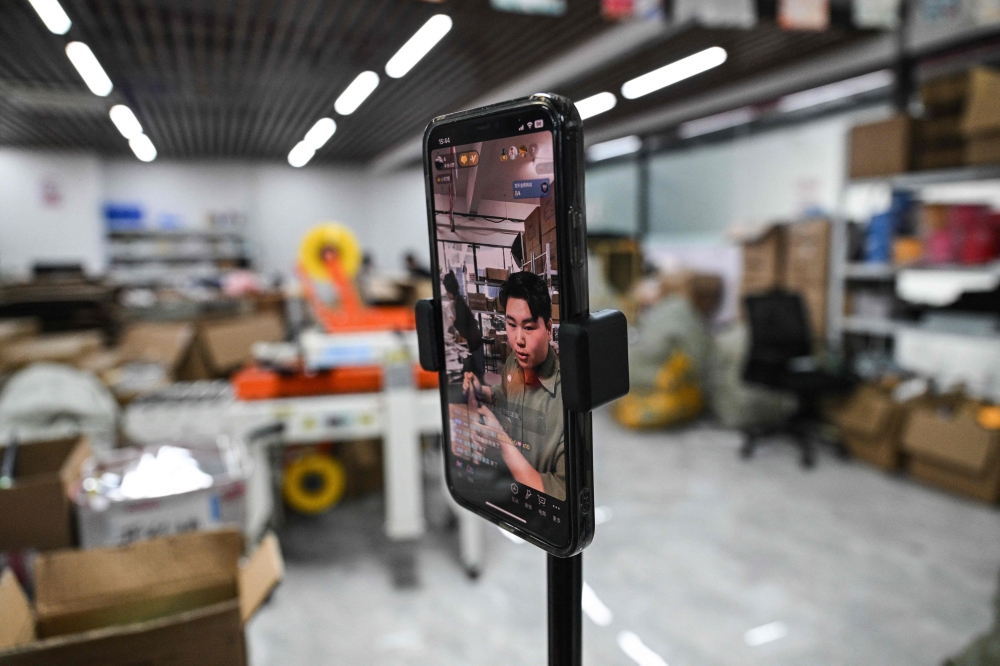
(53, 15)
(596, 104)
(89, 68)
(419, 45)
(677, 71)
(361, 87)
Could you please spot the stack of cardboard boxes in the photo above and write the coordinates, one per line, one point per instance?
(539, 236)
(794, 257)
(960, 125)
(941, 440)
(981, 124)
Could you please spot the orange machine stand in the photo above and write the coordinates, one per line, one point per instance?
(256, 383)
(352, 316)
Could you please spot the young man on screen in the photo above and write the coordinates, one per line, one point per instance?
(529, 396)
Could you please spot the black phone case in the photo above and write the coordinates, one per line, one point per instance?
(571, 243)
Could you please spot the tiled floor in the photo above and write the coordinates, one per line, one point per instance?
(859, 566)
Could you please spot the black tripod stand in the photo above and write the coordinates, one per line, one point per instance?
(565, 576)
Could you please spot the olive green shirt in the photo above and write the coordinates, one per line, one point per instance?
(533, 417)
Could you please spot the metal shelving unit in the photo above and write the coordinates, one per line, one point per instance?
(844, 272)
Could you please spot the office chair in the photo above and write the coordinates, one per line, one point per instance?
(780, 358)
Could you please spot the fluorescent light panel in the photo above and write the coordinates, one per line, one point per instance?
(90, 70)
(615, 148)
(836, 91)
(670, 74)
(356, 93)
(300, 155)
(320, 133)
(718, 122)
(142, 147)
(53, 15)
(595, 104)
(418, 46)
(125, 121)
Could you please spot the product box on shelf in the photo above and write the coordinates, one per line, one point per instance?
(172, 601)
(36, 510)
(881, 148)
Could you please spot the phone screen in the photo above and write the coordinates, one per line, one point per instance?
(498, 267)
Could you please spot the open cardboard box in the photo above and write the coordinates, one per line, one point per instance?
(36, 511)
(871, 422)
(164, 344)
(221, 346)
(173, 601)
(949, 449)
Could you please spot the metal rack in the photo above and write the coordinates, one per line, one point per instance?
(844, 272)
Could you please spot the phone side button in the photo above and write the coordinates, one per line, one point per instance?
(578, 237)
(585, 501)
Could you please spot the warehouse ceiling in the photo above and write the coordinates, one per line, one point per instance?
(248, 78)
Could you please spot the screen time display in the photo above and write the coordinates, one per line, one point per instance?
(498, 267)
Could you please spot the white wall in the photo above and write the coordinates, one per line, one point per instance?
(779, 175)
(397, 215)
(288, 202)
(49, 211)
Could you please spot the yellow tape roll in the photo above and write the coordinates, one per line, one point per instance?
(314, 483)
(329, 236)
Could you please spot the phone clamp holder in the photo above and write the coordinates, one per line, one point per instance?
(593, 357)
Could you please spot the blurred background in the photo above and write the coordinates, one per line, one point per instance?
(215, 447)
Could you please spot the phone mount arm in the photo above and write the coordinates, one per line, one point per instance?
(593, 359)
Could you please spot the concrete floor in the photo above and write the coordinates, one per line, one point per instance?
(862, 568)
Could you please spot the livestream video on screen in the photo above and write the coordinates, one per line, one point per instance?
(498, 264)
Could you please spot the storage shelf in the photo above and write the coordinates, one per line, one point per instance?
(869, 271)
(935, 176)
(885, 328)
(176, 259)
(160, 234)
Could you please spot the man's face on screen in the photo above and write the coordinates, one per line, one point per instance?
(528, 336)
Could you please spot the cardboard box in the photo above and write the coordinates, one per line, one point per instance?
(174, 601)
(125, 369)
(763, 260)
(106, 520)
(945, 95)
(983, 149)
(950, 450)
(17, 329)
(882, 148)
(478, 301)
(807, 254)
(982, 110)
(497, 274)
(939, 157)
(363, 466)
(36, 511)
(871, 423)
(223, 345)
(69, 348)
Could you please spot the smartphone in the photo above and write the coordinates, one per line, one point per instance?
(505, 205)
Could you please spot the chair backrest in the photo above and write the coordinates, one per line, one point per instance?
(779, 332)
